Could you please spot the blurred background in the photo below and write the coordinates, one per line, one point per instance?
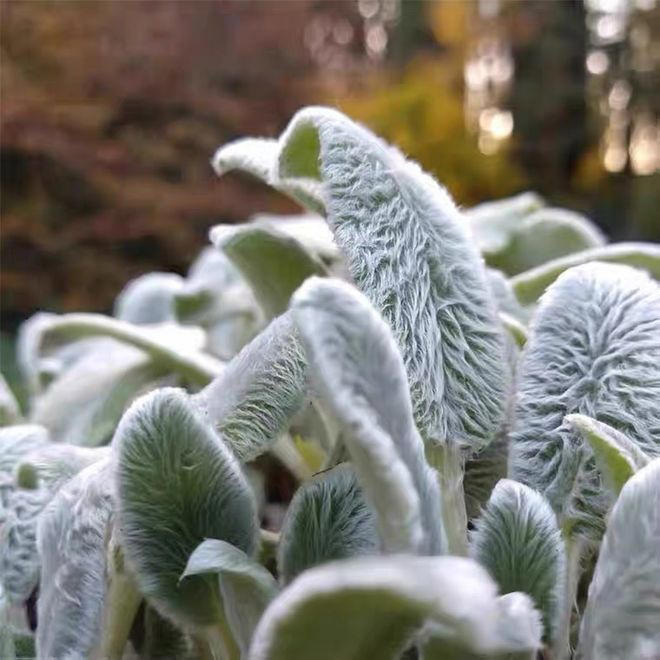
(112, 110)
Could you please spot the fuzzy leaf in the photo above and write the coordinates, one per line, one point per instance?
(10, 412)
(529, 285)
(72, 536)
(623, 608)
(259, 391)
(505, 298)
(408, 250)
(274, 264)
(517, 540)
(258, 158)
(246, 587)
(327, 519)
(594, 348)
(148, 298)
(359, 374)
(538, 237)
(515, 328)
(617, 457)
(373, 607)
(178, 484)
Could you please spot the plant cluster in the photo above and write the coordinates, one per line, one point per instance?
(469, 400)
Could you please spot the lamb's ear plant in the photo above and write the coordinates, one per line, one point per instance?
(328, 519)
(408, 250)
(598, 327)
(177, 485)
(10, 412)
(623, 607)
(518, 541)
(377, 607)
(148, 298)
(274, 264)
(359, 374)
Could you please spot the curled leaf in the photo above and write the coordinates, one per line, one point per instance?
(529, 285)
(177, 485)
(623, 607)
(594, 349)
(384, 602)
(617, 457)
(274, 264)
(359, 374)
(327, 519)
(517, 540)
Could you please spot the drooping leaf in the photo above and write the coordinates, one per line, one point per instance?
(543, 235)
(148, 298)
(359, 373)
(10, 412)
(177, 484)
(529, 285)
(594, 348)
(258, 157)
(517, 540)
(72, 535)
(259, 391)
(28, 342)
(623, 607)
(374, 607)
(617, 457)
(274, 264)
(173, 347)
(246, 587)
(327, 519)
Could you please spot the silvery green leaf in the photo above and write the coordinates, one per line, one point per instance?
(84, 403)
(515, 328)
(505, 298)
(71, 538)
(175, 348)
(148, 298)
(594, 349)
(517, 540)
(258, 157)
(16, 442)
(373, 608)
(408, 250)
(310, 229)
(28, 344)
(260, 390)
(327, 519)
(246, 587)
(55, 464)
(529, 286)
(623, 607)
(274, 264)
(617, 457)
(359, 374)
(535, 238)
(10, 412)
(6, 633)
(177, 485)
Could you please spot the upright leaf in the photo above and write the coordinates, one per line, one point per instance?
(374, 608)
(327, 519)
(594, 349)
(617, 457)
(9, 410)
(359, 374)
(72, 537)
(623, 608)
(177, 485)
(517, 540)
(274, 264)
(529, 285)
(259, 392)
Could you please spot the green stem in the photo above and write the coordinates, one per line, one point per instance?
(122, 602)
(449, 464)
(269, 543)
(562, 643)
